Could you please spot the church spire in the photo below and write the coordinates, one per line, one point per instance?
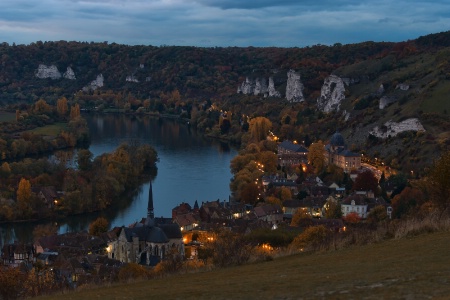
(150, 221)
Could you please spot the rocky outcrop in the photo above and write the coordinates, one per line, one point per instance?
(402, 86)
(246, 87)
(95, 84)
(69, 74)
(331, 94)
(260, 86)
(44, 71)
(294, 87)
(391, 129)
(380, 90)
(386, 101)
(131, 78)
(271, 89)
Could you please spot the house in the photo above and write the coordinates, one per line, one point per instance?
(181, 209)
(147, 243)
(355, 204)
(17, 253)
(271, 213)
(336, 153)
(187, 222)
(290, 154)
(48, 195)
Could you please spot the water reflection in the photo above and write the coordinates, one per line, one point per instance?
(191, 168)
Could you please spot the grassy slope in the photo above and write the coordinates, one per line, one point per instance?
(413, 268)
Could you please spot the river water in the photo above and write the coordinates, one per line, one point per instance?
(191, 168)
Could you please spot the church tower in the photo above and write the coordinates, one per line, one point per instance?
(150, 221)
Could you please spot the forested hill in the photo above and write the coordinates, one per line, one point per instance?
(195, 72)
(365, 90)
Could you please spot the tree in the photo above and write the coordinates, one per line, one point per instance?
(377, 214)
(352, 218)
(312, 238)
(366, 181)
(61, 106)
(439, 182)
(300, 215)
(407, 201)
(11, 282)
(74, 111)
(84, 159)
(250, 193)
(24, 197)
(44, 230)
(132, 271)
(285, 193)
(316, 156)
(259, 128)
(99, 226)
(333, 210)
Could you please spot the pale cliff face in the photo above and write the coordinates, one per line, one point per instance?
(69, 74)
(294, 87)
(391, 129)
(44, 71)
(332, 94)
(95, 84)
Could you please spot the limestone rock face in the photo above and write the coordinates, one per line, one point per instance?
(69, 74)
(386, 101)
(44, 71)
(260, 86)
(246, 87)
(95, 84)
(331, 94)
(391, 129)
(402, 86)
(131, 78)
(380, 90)
(271, 89)
(294, 87)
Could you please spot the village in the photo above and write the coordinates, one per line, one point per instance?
(79, 257)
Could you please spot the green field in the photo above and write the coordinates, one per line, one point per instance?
(7, 116)
(50, 130)
(409, 268)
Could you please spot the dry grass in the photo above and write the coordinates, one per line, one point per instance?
(414, 266)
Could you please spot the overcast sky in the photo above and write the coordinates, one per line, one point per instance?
(205, 23)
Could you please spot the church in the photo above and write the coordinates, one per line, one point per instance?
(337, 153)
(147, 242)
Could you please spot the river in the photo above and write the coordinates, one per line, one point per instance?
(190, 168)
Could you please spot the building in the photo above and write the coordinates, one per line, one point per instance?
(291, 154)
(146, 243)
(337, 153)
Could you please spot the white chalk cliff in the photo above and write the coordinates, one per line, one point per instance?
(131, 78)
(44, 71)
(391, 129)
(95, 84)
(260, 86)
(271, 89)
(69, 74)
(332, 94)
(294, 87)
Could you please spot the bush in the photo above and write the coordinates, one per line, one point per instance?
(313, 238)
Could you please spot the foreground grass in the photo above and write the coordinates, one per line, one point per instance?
(409, 268)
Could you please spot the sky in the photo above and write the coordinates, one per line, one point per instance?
(221, 23)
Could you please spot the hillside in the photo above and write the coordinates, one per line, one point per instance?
(410, 268)
(379, 82)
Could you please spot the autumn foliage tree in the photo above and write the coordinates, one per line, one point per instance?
(408, 201)
(99, 226)
(24, 197)
(316, 156)
(259, 128)
(366, 181)
(439, 182)
(61, 106)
